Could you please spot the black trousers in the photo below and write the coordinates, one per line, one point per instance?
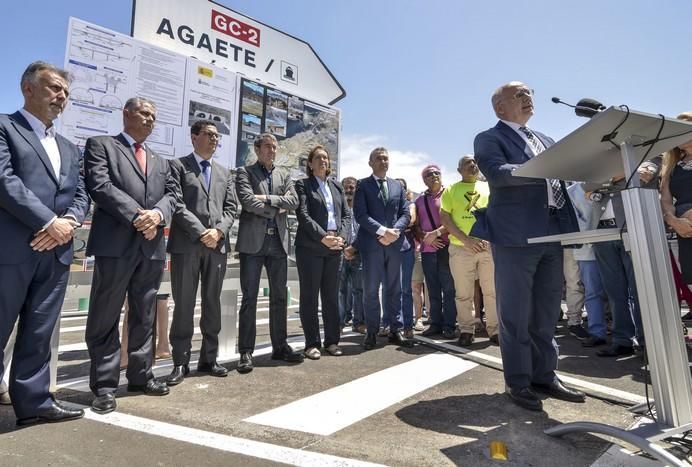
(273, 257)
(140, 277)
(319, 276)
(187, 270)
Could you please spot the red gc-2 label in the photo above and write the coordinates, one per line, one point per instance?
(235, 28)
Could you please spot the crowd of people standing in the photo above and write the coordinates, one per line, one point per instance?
(357, 248)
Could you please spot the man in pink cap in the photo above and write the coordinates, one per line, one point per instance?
(435, 256)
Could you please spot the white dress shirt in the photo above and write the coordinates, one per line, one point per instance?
(327, 193)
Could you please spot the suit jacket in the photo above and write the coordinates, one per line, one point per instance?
(371, 213)
(518, 206)
(312, 214)
(119, 188)
(199, 209)
(250, 181)
(31, 194)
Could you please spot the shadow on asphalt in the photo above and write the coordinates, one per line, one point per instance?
(483, 418)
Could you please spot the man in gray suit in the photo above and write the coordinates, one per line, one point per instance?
(265, 193)
(42, 200)
(198, 244)
(134, 198)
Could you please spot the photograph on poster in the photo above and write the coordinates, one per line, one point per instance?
(200, 111)
(298, 125)
(251, 124)
(295, 108)
(277, 99)
(253, 94)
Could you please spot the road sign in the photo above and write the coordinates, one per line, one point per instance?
(226, 38)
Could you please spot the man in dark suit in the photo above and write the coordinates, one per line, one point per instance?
(198, 244)
(265, 193)
(42, 200)
(134, 198)
(381, 210)
(528, 278)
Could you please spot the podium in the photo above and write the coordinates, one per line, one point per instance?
(614, 142)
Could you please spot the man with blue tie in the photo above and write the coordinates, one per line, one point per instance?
(381, 210)
(42, 200)
(198, 243)
(528, 278)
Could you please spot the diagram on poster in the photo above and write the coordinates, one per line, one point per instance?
(298, 125)
(108, 68)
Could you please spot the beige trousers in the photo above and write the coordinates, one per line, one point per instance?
(465, 266)
(574, 290)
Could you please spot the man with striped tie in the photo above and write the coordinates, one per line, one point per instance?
(528, 278)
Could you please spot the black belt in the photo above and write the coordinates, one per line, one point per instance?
(271, 231)
(607, 223)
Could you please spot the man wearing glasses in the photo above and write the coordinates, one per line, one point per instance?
(198, 244)
(528, 278)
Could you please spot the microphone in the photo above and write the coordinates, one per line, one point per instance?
(585, 107)
(588, 107)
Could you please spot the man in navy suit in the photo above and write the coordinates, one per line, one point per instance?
(381, 209)
(42, 200)
(528, 278)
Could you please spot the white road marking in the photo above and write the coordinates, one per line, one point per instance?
(232, 444)
(334, 409)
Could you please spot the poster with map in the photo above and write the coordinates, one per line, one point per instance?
(298, 125)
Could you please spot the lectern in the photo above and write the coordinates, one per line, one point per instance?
(611, 143)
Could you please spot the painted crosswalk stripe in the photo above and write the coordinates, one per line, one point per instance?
(247, 447)
(334, 409)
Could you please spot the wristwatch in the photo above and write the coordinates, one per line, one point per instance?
(438, 234)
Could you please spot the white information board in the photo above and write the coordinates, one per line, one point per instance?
(109, 67)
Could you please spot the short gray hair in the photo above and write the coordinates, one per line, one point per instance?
(376, 150)
(135, 102)
(262, 137)
(30, 75)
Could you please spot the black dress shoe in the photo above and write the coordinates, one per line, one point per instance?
(177, 375)
(432, 330)
(397, 337)
(214, 369)
(370, 341)
(465, 339)
(288, 355)
(593, 341)
(245, 363)
(104, 404)
(494, 339)
(525, 397)
(152, 388)
(615, 350)
(53, 414)
(559, 391)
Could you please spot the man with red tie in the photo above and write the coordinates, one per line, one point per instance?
(134, 198)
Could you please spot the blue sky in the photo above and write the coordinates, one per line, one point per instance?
(419, 74)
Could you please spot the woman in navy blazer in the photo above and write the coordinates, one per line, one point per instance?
(323, 223)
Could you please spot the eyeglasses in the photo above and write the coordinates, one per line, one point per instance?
(523, 93)
(432, 172)
(211, 135)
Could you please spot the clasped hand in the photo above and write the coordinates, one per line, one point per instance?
(431, 239)
(210, 238)
(147, 222)
(59, 232)
(390, 236)
(333, 242)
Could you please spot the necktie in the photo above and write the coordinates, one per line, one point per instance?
(538, 147)
(384, 191)
(141, 157)
(206, 173)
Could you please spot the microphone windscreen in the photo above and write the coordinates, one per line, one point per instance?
(591, 104)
